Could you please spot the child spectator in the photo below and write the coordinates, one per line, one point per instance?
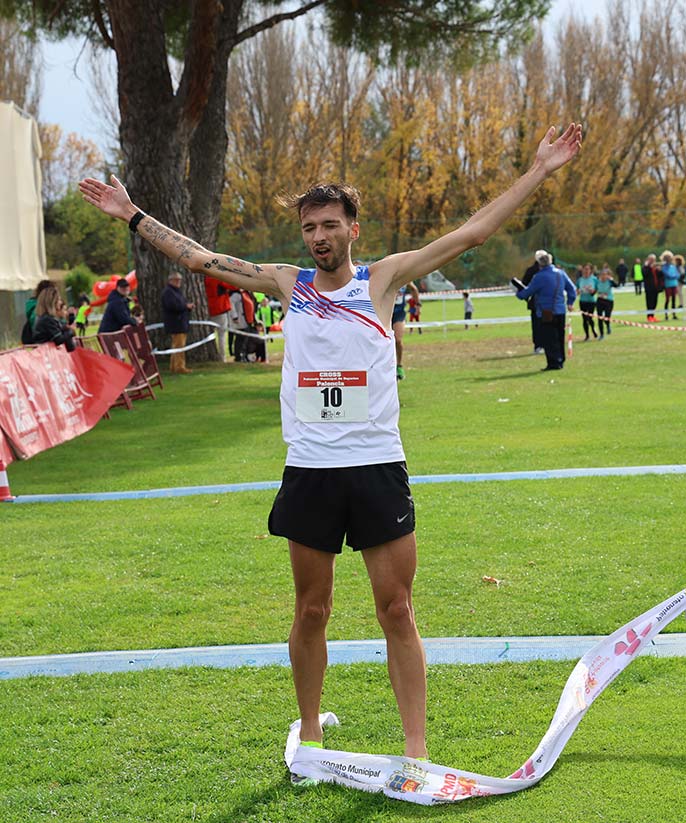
(468, 307)
(586, 288)
(82, 315)
(670, 275)
(415, 305)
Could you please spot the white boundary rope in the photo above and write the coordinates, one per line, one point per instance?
(433, 324)
(266, 337)
(428, 784)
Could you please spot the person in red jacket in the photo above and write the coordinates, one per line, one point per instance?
(219, 305)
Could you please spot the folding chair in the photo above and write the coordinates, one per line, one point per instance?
(117, 344)
(140, 342)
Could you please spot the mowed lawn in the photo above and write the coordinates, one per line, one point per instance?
(575, 556)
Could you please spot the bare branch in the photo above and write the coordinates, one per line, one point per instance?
(100, 23)
(274, 20)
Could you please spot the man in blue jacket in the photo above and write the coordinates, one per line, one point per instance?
(548, 288)
(117, 313)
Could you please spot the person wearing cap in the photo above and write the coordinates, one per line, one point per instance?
(536, 266)
(117, 312)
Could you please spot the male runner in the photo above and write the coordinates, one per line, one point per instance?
(345, 472)
(398, 324)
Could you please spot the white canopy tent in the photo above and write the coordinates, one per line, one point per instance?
(22, 262)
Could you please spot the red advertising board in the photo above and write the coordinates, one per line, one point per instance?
(49, 396)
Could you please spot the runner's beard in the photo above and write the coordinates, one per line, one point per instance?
(336, 260)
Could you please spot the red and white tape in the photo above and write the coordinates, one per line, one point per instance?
(656, 325)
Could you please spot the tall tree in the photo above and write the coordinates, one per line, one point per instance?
(173, 137)
(20, 72)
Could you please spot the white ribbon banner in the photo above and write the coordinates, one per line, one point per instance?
(417, 781)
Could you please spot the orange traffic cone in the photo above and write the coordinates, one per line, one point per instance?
(5, 494)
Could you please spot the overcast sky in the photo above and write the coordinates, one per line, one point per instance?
(65, 99)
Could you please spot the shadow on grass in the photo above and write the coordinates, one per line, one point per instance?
(504, 357)
(355, 806)
(509, 376)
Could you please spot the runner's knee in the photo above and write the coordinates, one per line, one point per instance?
(396, 615)
(312, 616)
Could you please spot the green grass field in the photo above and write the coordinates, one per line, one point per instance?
(576, 556)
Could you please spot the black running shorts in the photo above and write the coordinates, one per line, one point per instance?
(366, 505)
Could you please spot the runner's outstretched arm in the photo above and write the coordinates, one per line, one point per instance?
(114, 200)
(399, 269)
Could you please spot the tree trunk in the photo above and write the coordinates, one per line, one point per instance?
(174, 143)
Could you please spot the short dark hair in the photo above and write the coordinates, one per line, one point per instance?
(123, 283)
(322, 194)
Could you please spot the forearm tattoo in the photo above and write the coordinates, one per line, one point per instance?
(235, 266)
(182, 249)
(178, 248)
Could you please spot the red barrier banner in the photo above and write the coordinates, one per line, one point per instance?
(6, 454)
(49, 396)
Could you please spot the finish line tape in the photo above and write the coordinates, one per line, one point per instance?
(428, 784)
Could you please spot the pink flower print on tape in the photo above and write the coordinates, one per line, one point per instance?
(633, 641)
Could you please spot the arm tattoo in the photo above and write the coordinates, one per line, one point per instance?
(173, 245)
(235, 268)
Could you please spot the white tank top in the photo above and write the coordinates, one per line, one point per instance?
(339, 394)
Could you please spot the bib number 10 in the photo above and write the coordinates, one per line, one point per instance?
(333, 397)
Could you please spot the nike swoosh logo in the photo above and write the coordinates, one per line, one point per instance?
(400, 519)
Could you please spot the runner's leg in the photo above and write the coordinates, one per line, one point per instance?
(313, 573)
(391, 568)
(398, 331)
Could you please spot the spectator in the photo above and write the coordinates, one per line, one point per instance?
(529, 274)
(606, 299)
(266, 314)
(415, 305)
(587, 286)
(117, 312)
(679, 263)
(638, 276)
(259, 353)
(82, 315)
(468, 307)
(218, 304)
(176, 316)
(50, 327)
(138, 314)
(548, 287)
(30, 309)
(241, 320)
(670, 276)
(621, 271)
(651, 286)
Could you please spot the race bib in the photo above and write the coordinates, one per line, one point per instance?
(332, 397)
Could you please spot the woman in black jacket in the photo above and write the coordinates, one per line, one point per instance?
(50, 326)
